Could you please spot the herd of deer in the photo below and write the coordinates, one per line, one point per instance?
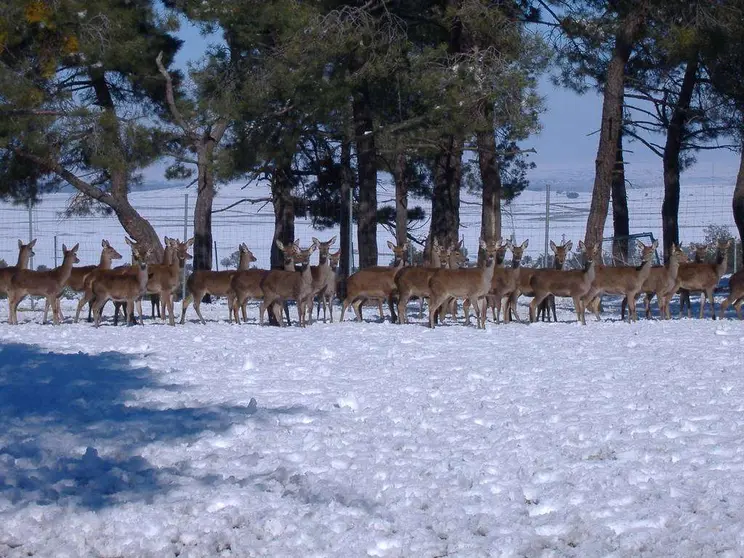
(443, 279)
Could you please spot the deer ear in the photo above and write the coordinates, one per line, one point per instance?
(20, 244)
(190, 242)
(582, 246)
(316, 241)
(280, 245)
(64, 247)
(525, 244)
(568, 245)
(332, 240)
(390, 245)
(128, 241)
(75, 248)
(482, 243)
(655, 244)
(553, 247)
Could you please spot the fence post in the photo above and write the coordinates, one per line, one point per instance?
(185, 237)
(216, 259)
(351, 230)
(55, 250)
(547, 224)
(30, 238)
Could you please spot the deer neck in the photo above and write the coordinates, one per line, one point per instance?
(722, 263)
(323, 260)
(645, 270)
(244, 262)
(142, 278)
(23, 258)
(516, 263)
(105, 262)
(64, 271)
(673, 268)
(435, 260)
(590, 270)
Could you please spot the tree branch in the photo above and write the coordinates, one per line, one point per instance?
(244, 200)
(170, 97)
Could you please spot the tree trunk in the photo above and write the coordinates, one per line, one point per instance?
(445, 203)
(401, 199)
(672, 149)
(284, 213)
(491, 179)
(737, 202)
(347, 187)
(138, 228)
(203, 211)
(367, 171)
(620, 217)
(612, 114)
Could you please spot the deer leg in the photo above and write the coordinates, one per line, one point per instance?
(737, 307)
(97, 307)
(403, 299)
(80, 305)
(197, 309)
(357, 306)
(534, 303)
(185, 304)
(514, 306)
(579, 308)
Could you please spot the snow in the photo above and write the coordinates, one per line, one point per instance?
(371, 439)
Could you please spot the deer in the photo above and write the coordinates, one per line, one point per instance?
(472, 284)
(736, 294)
(322, 275)
(328, 293)
(575, 283)
(705, 276)
(155, 301)
(246, 284)
(560, 254)
(622, 280)
(216, 283)
(279, 285)
(163, 278)
(414, 281)
(377, 282)
(48, 284)
(548, 305)
(505, 281)
(663, 283)
(25, 253)
(118, 286)
(701, 253)
(76, 282)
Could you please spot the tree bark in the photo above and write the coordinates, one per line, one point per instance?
(620, 217)
(491, 179)
(612, 114)
(401, 199)
(737, 203)
(203, 211)
(367, 172)
(284, 213)
(445, 203)
(672, 149)
(347, 187)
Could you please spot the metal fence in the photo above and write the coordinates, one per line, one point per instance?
(535, 215)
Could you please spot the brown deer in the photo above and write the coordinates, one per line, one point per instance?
(560, 254)
(76, 282)
(164, 278)
(736, 294)
(377, 282)
(701, 253)
(328, 293)
(621, 280)
(414, 281)
(663, 283)
(127, 287)
(322, 275)
(575, 283)
(548, 305)
(48, 284)
(279, 285)
(704, 277)
(470, 284)
(505, 281)
(216, 283)
(246, 284)
(25, 253)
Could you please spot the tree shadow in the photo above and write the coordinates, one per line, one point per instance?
(55, 408)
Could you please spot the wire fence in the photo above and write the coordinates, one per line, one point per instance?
(559, 214)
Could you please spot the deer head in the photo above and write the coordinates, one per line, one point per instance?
(109, 252)
(399, 253)
(517, 252)
(491, 249)
(647, 252)
(324, 248)
(334, 259)
(70, 254)
(561, 252)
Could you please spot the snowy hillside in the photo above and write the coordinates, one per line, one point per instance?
(372, 440)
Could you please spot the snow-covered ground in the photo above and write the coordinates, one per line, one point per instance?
(372, 439)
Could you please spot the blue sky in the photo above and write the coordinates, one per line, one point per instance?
(568, 141)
